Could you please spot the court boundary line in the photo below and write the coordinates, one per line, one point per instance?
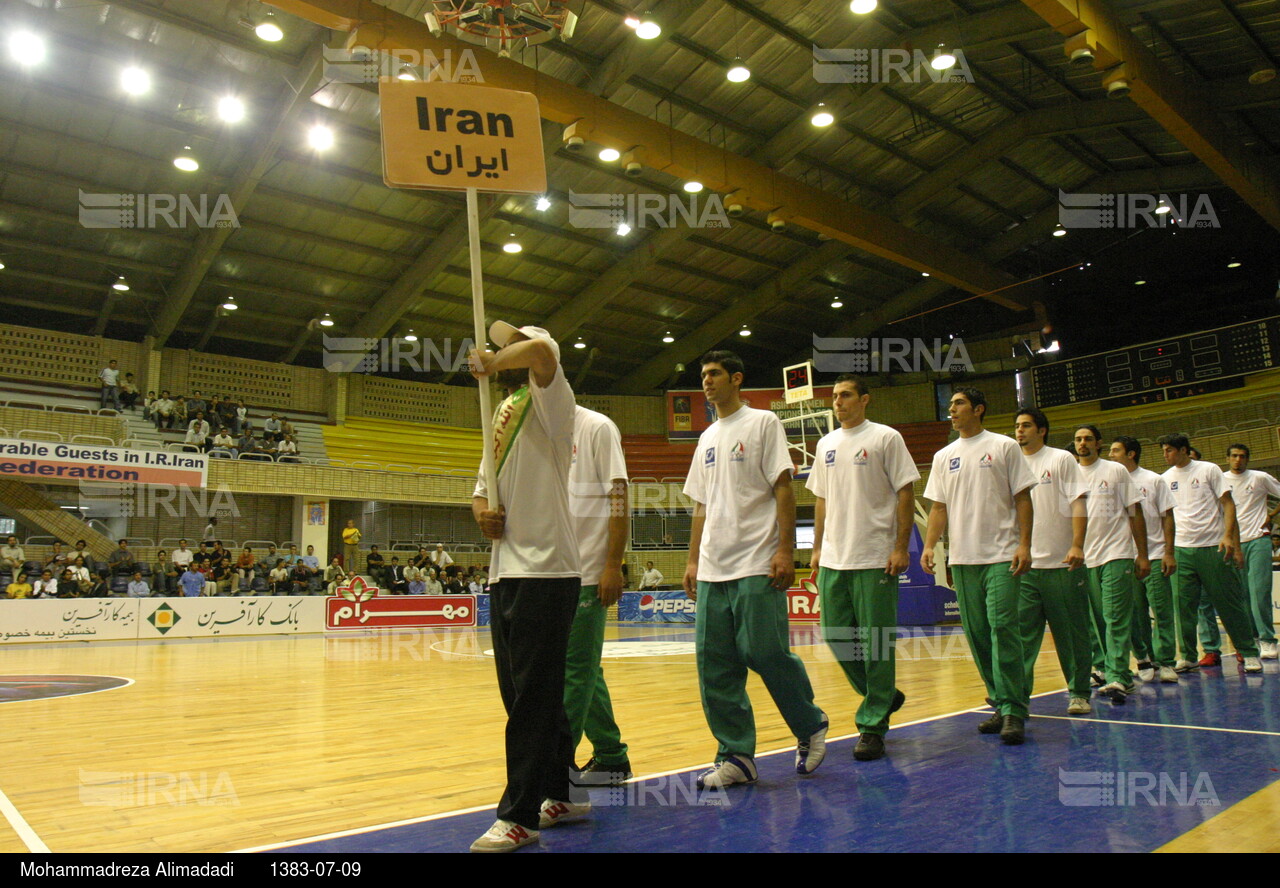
(29, 836)
(128, 682)
(1104, 721)
(275, 846)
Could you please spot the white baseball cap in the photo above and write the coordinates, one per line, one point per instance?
(500, 333)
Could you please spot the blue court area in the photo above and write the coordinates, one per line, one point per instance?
(1126, 778)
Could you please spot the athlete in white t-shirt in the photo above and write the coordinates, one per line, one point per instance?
(1152, 595)
(1207, 546)
(598, 500)
(980, 487)
(1250, 490)
(1054, 590)
(741, 564)
(1115, 553)
(862, 477)
(535, 578)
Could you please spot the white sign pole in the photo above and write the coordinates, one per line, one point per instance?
(477, 310)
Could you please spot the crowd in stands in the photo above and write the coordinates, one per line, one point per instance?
(211, 569)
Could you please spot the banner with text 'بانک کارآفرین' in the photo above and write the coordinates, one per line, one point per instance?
(52, 461)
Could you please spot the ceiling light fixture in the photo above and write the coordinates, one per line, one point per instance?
(609, 155)
(121, 285)
(1139, 282)
(744, 331)
(325, 320)
(268, 29)
(1163, 207)
(411, 336)
(943, 58)
(822, 116)
(862, 7)
(320, 137)
(738, 73)
(1234, 263)
(135, 81)
(579, 343)
(230, 304)
(512, 246)
(1059, 231)
(26, 48)
(693, 186)
(407, 73)
(543, 204)
(185, 161)
(623, 229)
(230, 109)
(647, 29)
(668, 337)
(837, 304)
(924, 274)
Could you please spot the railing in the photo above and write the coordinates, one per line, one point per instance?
(34, 435)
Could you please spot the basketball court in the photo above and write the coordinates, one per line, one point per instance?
(393, 742)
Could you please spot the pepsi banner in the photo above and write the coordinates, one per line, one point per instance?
(656, 607)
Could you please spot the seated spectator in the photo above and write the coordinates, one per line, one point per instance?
(121, 560)
(286, 428)
(79, 571)
(226, 412)
(221, 576)
(82, 551)
(252, 448)
(200, 557)
(292, 557)
(138, 587)
(163, 411)
(396, 582)
(19, 588)
(180, 411)
(46, 586)
(68, 585)
(192, 581)
(219, 557)
(271, 429)
(373, 564)
(452, 585)
(12, 556)
(440, 558)
(311, 561)
(224, 444)
(475, 587)
(164, 572)
(182, 557)
(433, 586)
(149, 405)
(335, 575)
(287, 450)
(197, 438)
(422, 558)
(415, 580)
(196, 404)
(129, 393)
(57, 558)
(244, 566)
(300, 577)
(97, 587)
(278, 579)
(268, 561)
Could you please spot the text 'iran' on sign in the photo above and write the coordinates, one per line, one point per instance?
(454, 136)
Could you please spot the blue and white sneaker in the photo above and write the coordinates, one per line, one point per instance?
(729, 771)
(811, 752)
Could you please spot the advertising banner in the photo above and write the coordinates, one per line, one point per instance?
(48, 461)
(656, 607)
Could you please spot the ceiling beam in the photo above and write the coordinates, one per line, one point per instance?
(1172, 102)
(254, 166)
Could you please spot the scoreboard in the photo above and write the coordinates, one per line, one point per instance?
(1184, 364)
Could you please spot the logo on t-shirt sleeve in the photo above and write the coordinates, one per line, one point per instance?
(709, 458)
(830, 458)
(954, 465)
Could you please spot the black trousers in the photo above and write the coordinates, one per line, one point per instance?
(531, 619)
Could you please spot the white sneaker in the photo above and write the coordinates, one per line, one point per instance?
(1079, 706)
(811, 752)
(504, 836)
(1269, 651)
(554, 812)
(1185, 666)
(1168, 675)
(1252, 664)
(1146, 671)
(727, 772)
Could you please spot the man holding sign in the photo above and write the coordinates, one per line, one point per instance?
(536, 577)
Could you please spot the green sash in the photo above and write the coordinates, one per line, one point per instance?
(507, 422)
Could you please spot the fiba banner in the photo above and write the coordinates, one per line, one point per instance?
(50, 461)
(656, 607)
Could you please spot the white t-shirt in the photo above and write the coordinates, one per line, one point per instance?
(1058, 485)
(976, 479)
(858, 472)
(182, 557)
(1111, 492)
(441, 558)
(109, 376)
(533, 486)
(1197, 511)
(1250, 489)
(1156, 500)
(652, 579)
(597, 462)
(737, 462)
